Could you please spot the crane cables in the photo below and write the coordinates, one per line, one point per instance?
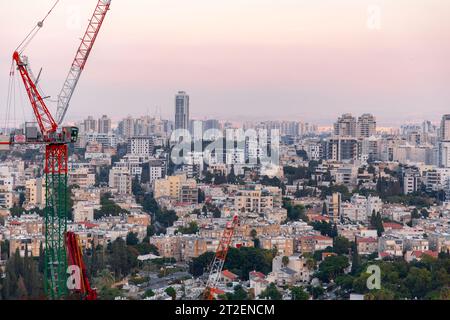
(30, 36)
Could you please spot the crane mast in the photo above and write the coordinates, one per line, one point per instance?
(219, 259)
(80, 60)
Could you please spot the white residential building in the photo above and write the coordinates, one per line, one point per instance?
(120, 179)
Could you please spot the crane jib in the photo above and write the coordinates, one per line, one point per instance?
(81, 58)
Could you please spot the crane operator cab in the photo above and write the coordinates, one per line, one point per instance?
(69, 134)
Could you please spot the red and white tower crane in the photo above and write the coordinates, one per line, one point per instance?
(59, 245)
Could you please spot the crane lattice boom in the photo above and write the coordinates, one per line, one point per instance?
(80, 60)
(219, 259)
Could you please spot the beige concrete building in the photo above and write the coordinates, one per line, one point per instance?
(120, 179)
(139, 219)
(176, 188)
(253, 200)
(6, 197)
(284, 245)
(25, 243)
(35, 192)
(307, 244)
(82, 177)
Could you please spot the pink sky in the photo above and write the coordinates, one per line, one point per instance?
(243, 59)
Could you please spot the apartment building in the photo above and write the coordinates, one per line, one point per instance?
(29, 244)
(6, 197)
(83, 177)
(120, 179)
(176, 188)
(35, 192)
(366, 245)
(284, 245)
(312, 243)
(253, 200)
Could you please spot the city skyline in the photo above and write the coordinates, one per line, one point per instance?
(292, 60)
(241, 150)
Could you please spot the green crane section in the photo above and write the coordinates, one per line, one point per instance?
(56, 212)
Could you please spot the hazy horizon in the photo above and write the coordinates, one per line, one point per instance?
(244, 59)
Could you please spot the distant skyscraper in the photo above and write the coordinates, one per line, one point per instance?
(182, 111)
(445, 128)
(104, 124)
(367, 126)
(126, 127)
(211, 124)
(345, 126)
(444, 143)
(90, 124)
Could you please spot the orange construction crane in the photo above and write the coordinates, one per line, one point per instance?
(219, 259)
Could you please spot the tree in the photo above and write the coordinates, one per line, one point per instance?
(295, 213)
(122, 258)
(379, 225)
(239, 261)
(108, 207)
(382, 294)
(298, 193)
(331, 267)
(149, 204)
(424, 213)
(239, 294)
(316, 291)
(150, 230)
(201, 196)
(231, 178)
(132, 239)
(376, 222)
(271, 293)
(341, 245)
(325, 228)
(356, 260)
(147, 248)
(191, 229)
(418, 282)
(216, 213)
(166, 217)
(415, 214)
(136, 187)
(324, 209)
(149, 293)
(220, 179)
(22, 278)
(199, 265)
(21, 198)
(171, 292)
(285, 260)
(299, 294)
